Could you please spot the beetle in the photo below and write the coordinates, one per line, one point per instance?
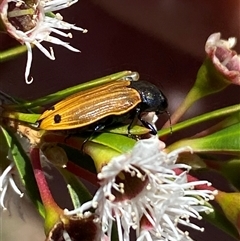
(101, 106)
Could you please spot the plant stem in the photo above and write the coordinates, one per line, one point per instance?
(44, 190)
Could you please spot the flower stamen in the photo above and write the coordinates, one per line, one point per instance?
(6, 179)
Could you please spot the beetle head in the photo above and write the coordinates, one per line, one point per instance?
(152, 98)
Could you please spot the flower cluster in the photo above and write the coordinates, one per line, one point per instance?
(141, 191)
(31, 22)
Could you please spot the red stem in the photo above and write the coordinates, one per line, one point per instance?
(44, 190)
(82, 173)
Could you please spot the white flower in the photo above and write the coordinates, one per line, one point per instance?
(6, 179)
(141, 191)
(31, 22)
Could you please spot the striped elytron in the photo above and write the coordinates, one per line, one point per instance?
(104, 105)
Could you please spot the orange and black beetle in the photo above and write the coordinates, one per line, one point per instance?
(104, 105)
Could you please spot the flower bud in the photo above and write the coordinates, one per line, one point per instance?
(225, 60)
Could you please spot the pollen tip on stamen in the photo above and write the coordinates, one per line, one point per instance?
(110, 197)
(65, 211)
(232, 42)
(134, 227)
(18, 4)
(209, 211)
(209, 184)
(94, 204)
(215, 192)
(211, 197)
(84, 30)
(99, 176)
(148, 187)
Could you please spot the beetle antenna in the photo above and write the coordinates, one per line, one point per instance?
(170, 122)
(7, 98)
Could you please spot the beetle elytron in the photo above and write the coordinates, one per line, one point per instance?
(104, 105)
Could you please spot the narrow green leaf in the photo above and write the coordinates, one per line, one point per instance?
(72, 90)
(78, 192)
(227, 111)
(25, 117)
(12, 53)
(24, 169)
(224, 141)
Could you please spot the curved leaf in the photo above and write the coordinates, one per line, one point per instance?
(225, 141)
(116, 142)
(119, 143)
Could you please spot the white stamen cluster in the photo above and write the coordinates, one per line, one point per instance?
(43, 26)
(6, 179)
(164, 200)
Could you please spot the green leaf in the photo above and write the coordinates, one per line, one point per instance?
(225, 141)
(123, 130)
(24, 168)
(233, 110)
(12, 53)
(119, 143)
(100, 148)
(25, 117)
(218, 219)
(231, 170)
(78, 192)
(52, 98)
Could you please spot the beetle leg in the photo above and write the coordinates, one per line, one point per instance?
(96, 129)
(149, 126)
(134, 120)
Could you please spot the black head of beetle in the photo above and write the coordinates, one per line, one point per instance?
(152, 98)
